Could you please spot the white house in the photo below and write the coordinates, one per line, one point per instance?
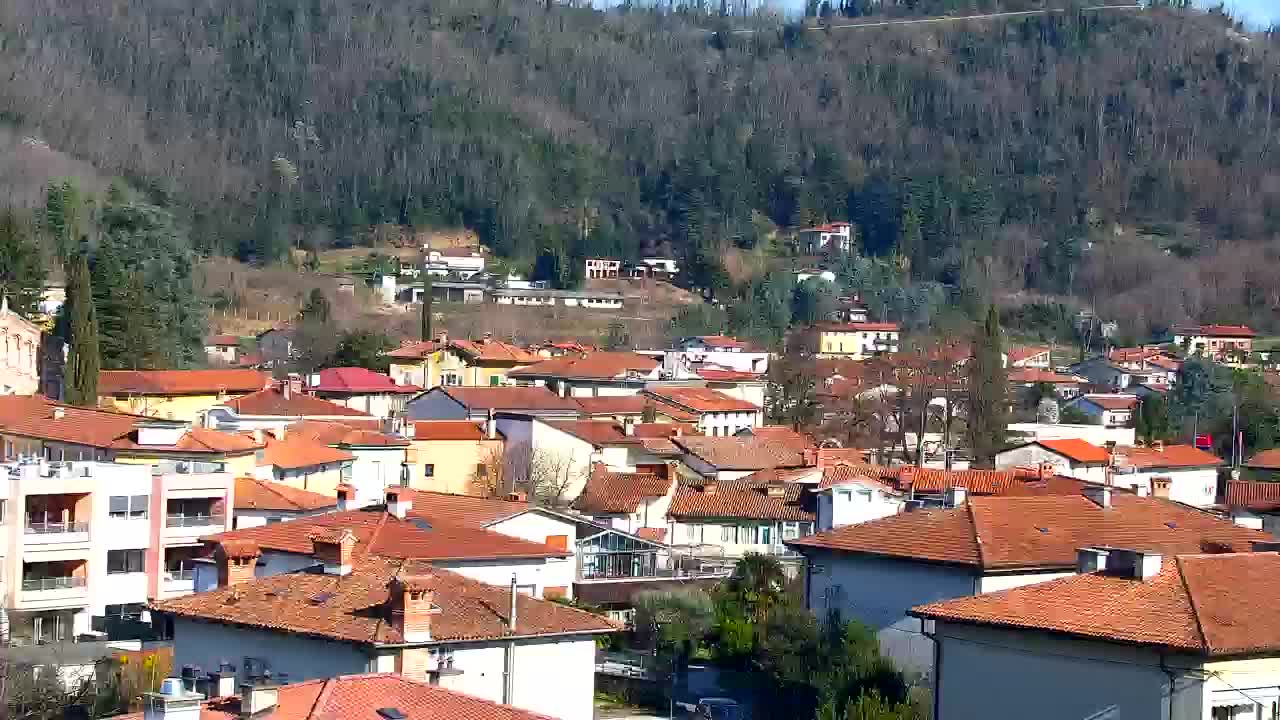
(628, 501)
(1214, 341)
(836, 237)
(561, 452)
(1092, 434)
(718, 351)
(588, 299)
(463, 262)
(377, 459)
(876, 571)
(847, 497)
(713, 412)
(1182, 473)
(350, 614)
(1141, 635)
(591, 374)
(1070, 457)
(726, 519)
(1107, 409)
(596, 268)
(222, 349)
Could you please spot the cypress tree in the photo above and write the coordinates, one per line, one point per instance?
(425, 329)
(987, 392)
(83, 361)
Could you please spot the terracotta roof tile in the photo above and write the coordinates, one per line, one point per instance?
(596, 432)
(699, 399)
(1253, 495)
(782, 435)
(1022, 353)
(743, 498)
(272, 402)
(654, 534)
(593, 366)
(613, 405)
(1111, 401)
(723, 375)
(1075, 449)
(294, 452)
(342, 433)
(1265, 460)
(495, 351)
(1205, 604)
(1037, 532)
(741, 453)
(222, 341)
(255, 494)
(358, 380)
(721, 341)
(1026, 376)
(1231, 331)
(355, 607)
(619, 492)
(195, 440)
(415, 350)
(180, 382)
(466, 510)
(447, 430)
(509, 398)
(1168, 456)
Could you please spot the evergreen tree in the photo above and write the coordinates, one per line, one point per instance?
(83, 360)
(318, 309)
(65, 216)
(987, 392)
(22, 272)
(424, 332)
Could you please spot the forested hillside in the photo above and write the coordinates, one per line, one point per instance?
(1109, 156)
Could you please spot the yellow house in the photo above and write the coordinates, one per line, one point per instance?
(853, 341)
(174, 394)
(417, 363)
(458, 457)
(480, 363)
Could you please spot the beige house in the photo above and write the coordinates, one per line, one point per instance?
(452, 456)
(19, 371)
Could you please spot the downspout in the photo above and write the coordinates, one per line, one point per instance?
(1173, 679)
(937, 669)
(509, 671)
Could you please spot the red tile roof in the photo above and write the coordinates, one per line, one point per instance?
(856, 327)
(447, 430)
(1075, 449)
(467, 510)
(619, 492)
(1231, 331)
(722, 375)
(495, 351)
(1204, 604)
(340, 433)
(721, 341)
(742, 453)
(654, 534)
(591, 366)
(744, 498)
(1265, 460)
(1021, 353)
(255, 494)
(1037, 375)
(509, 398)
(180, 382)
(222, 341)
(382, 535)
(272, 402)
(597, 432)
(194, 440)
(614, 404)
(351, 604)
(1253, 495)
(1132, 355)
(1169, 456)
(1036, 532)
(295, 452)
(781, 434)
(700, 399)
(1112, 402)
(415, 350)
(358, 380)
(359, 697)
(977, 482)
(1165, 362)
(828, 227)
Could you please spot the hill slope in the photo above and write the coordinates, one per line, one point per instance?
(573, 131)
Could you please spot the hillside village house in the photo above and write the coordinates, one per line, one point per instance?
(590, 374)
(453, 456)
(731, 458)
(1107, 409)
(88, 543)
(711, 411)
(1253, 504)
(1264, 465)
(876, 571)
(276, 345)
(20, 369)
(1182, 473)
(350, 612)
(558, 454)
(718, 351)
(835, 237)
(1138, 634)
(1218, 342)
(377, 459)
(277, 407)
(1030, 357)
(361, 389)
(222, 349)
(589, 299)
(846, 496)
(346, 696)
(482, 363)
(726, 519)
(854, 341)
(463, 262)
(264, 502)
(1069, 456)
(629, 501)
(597, 268)
(1025, 383)
(417, 363)
(301, 462)
(481, 403)
(175, 394)
(1124, 369)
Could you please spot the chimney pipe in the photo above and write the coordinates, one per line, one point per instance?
(236, 560)
(511, 617)
(398, 502)
(346, 497)
(1099, 494)
(490, 425)
(955, 496)
(411, 598)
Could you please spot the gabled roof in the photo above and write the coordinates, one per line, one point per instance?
(614, 404)
(619, 492)
(720, 341)
(415, 350)
(856, 327)
(272, 402)
(497, 351)
(744, 498)
(977, 482)
(1231, 331)
(180, 382)
(1021, 353)
(1253, 495)
(1265, 460)
(1037, 375)
(1036, 532)
(741, 453)
(1204, 604)
(447, 430)
(354, 608)
(508, 398)
(466, 510)
(699, 399)
(255, 494)
(1110, 401)
(359, 697)
(330, 432)
(300, 451)
(780, 434)
(1166, 456)
(195, 440)
(591, 366)
(380, 534)
(358, 380)
(1076, 450)
(222, 341)
(596, 432)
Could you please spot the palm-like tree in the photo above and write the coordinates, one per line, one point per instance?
(761, 583)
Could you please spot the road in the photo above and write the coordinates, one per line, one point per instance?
(948, 19)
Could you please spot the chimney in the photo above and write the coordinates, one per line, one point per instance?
(1133, 564)
(222, 682)
(511, 616)
(1090, 560)
(279, 432)
(1045, 470)
(490, 425)
(907, 476)
(259, 436)
(59, 412)
(955, 496)
(346, 497)
(313, 379)
(442, 338)
(628, 426)
(334, 547)
(411, 598)
(172, 702)
(811, 457)
(236, 560)
(1099, 494)
(258, 699)
(487, 338)
(677, 431)
(1158, 446)
(673, 470)
(398, 502)
(710, 487)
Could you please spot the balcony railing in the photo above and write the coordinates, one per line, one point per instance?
(51, 583)
(184, 575)
(184, 521)
(52, 528)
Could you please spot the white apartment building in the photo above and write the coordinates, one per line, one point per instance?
(91, 539)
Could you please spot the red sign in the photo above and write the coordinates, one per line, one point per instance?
(1204, 442)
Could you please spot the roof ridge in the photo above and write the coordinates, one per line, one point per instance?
(1191, 600)
(373, 536)
(322, 698)
(977, 536)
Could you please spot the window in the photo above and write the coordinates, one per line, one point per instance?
(125, 561)
(766, 534)
(746, 534)
(845, 495)
(729, 534)
(494, 380)
(429, 470)
(2, 502)
(482, 471)
(790, 530)
(864, 495)
(691, 533)
(127, 506)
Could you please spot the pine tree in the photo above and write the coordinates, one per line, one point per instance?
(424, 332)
(987, 392)
(22, 271)
(83, 361)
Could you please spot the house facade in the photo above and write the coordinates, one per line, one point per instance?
(417, 363)
(714, 413)
(20, 369)
(835, 237)
(361, 390)
(1182, 473)
(596, 268)
(175, 394)
(1070, 457)
(481, 363)
(853, 341)
(726, 519)
(453, 456)
(1218, 342)
(1111, 410)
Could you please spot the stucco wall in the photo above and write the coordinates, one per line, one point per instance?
(1197, 487)
(302, 657)
(434, 406)
(454, 463)
(1033, 455)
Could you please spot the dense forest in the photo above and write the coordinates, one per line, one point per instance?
(1124, 157)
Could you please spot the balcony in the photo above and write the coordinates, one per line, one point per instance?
(182, 580)
(51, 583)
(46, 533)
(52, 592)
(194, 521)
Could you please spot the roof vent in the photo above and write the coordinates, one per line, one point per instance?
(391, 713)
(1099, 494)
(59, 412)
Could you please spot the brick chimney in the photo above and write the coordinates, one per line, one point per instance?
(1044, 470)
(346, 497)
(236, 561)
(811, 458)
(710, 487)
(410, 598)
(334, 547)
(398, 502)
